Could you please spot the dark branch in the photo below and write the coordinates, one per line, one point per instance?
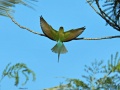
(107, 18)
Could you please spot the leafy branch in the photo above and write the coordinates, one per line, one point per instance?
(114, 19)
(99, 76)
(110, 78)
(13, 72)
(6, 5)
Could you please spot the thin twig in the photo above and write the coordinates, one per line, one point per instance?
(93, 7)
(23, 26)
(101, 38)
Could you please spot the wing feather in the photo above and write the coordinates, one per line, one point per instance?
(72, 34)
(47, 29)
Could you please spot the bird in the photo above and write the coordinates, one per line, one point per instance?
(59, 36)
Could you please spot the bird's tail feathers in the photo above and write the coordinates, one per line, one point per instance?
(63, 49)
(59, 49)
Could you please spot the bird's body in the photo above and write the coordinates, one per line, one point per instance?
(59, 36)
(59, 47)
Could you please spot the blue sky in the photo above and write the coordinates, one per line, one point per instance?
(18, 45)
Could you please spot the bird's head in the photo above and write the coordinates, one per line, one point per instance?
(61, 29)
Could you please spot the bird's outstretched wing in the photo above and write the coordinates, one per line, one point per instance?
(72, 34)
(47, 29)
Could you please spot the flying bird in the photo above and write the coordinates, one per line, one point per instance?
(59, 36)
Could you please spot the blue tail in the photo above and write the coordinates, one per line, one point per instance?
(59, 48)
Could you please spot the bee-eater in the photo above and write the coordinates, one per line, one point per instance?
(59, 36)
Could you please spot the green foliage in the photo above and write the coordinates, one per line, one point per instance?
(14, 70)
(6, 5)
(60, 87)
(100, 76)
(78, 83)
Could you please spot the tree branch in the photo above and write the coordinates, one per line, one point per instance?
(23, 26)
(101, 38)
(108, 19)
(93, 7)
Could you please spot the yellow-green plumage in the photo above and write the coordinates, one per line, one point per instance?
(59, 36)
